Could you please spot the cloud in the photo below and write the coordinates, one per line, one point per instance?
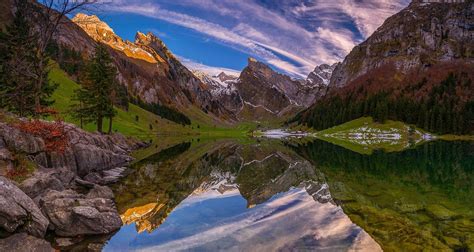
(253, 229)
(210, 70)
(292, 35)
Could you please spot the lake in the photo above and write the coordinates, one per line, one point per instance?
(297, 195)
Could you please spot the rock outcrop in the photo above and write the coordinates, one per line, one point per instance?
(63, 195)
(73, 214)
(86, 152)
(18, 212)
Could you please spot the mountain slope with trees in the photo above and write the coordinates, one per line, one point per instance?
(418, 67)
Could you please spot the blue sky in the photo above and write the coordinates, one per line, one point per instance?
(293, 36)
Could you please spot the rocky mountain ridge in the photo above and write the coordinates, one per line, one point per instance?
(146, 67)
(260, 93)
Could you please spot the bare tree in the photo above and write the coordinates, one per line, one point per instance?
(49, 16)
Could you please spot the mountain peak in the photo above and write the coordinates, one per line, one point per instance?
(259, 67)
(91, 22)
(148, 37)
(321, 75)
(225, 77)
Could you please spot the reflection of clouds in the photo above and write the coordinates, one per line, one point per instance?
(289, 221)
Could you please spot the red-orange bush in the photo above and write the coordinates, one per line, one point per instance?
(53, 133)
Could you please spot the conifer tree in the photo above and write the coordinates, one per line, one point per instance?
(96, 95)
(18, 62)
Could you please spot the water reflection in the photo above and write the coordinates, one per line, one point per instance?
(419, 199)
(274, 195)
(228, 196)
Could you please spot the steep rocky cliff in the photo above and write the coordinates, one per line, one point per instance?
(223, 89)
(420, 36)
(261, 94)
(148, 69)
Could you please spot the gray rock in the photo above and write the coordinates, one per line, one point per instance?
(44, 180)
(23, 242)
(72, 214)
(19, 141)
(100, 192)
(18, 212)
(86, 152)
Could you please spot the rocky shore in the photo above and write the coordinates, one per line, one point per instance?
(66, 196)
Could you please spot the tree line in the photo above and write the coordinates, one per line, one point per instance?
(440, 111)
(164, 112)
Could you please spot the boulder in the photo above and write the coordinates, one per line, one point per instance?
(72, 214)
(23, 242)
(18, 212)
(44, 180)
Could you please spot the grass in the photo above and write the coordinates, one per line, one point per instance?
(148, 127)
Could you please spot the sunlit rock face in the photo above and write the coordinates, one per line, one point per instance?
(145, 66)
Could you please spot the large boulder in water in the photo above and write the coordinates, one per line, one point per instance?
(72, 214)
(18, 212)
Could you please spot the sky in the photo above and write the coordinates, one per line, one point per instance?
(292, 36)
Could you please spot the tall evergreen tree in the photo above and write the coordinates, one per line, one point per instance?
(18, 62)
(96, 95)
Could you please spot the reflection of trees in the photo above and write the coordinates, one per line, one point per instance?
(417, 199)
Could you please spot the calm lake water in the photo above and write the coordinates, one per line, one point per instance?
(282, 195)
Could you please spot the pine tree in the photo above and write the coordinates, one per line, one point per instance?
(96, 96)
(18, 56)
(18, 64)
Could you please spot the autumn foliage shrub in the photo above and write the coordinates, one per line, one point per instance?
(54, 134)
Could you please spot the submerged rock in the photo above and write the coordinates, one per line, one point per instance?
(72, 214)
(18, 212)
(25, 242)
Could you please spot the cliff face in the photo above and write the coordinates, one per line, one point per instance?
(321, 77)
(261, 94)
(278, 94)
(421, 35)
(151, 71)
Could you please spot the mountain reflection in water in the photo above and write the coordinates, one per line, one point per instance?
(274, 195)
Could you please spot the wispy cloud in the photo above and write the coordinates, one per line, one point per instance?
(291, 35)
(211, 70)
